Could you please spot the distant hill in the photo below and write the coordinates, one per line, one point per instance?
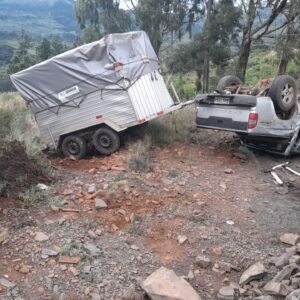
(39, 18)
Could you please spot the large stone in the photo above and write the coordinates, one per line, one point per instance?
(285, 273)
(256, 271)
(99, 203)
(276, 288)
(282, 260)
(92, 249)
(290, 238)
(92, 188)
(164, 284)
(41, 237)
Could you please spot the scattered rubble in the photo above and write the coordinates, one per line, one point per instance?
(255, 271)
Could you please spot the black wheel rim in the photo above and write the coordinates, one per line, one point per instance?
(105, 141)
(73, 148)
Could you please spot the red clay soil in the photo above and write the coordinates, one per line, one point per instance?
(18, 171)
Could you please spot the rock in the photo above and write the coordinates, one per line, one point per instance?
(95, 296)
(203, 261)
(92, 249)
(191, 275)
(99, 203)
(92, 188)
(41, 237)
(226, 293)
(74, 271)
(295, 283)
(295, 295)
(42, 187)
(290, 238)
(87, 269)
(132, 293)
(25, 269)
(6, 283)
(295, 259)
(134, 247)
(181, 239)
(3, 235)
(285, 273)
(164, 284)
(228, 171)
(266, 298)
(49, 252)
(256, 271)
(121, 212)
(225, 266)
(217, 251)
(276, 289)
(69, 260)
(92, 234)
(282, 260)
(54, 208)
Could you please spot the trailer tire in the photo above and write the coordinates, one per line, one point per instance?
(106, 141)
(227, 81)
(283, 92)
(74, 146)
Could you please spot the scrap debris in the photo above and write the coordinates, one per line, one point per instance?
(277, 179)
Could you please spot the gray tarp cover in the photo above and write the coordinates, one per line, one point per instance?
(65, 79)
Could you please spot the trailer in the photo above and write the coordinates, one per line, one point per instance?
(88, 95)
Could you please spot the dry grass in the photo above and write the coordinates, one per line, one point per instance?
(17, 123)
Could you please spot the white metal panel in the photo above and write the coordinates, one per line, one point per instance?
(149, 96)
(113, 105)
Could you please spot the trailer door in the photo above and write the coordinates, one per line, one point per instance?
(150, 96)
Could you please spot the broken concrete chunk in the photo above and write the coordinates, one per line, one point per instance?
(203, 261)
(276, 289)
(99, 203)
(256, 271)
(285, 273)
(164, 284)
(290, 238)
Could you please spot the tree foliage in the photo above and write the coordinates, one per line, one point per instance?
(99, 17)
(22, 57)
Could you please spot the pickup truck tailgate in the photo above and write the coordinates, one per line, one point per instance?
(225, 112)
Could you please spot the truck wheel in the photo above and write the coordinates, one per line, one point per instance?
(106, 140)
(74, 146)
(227, 81)
(283, 92)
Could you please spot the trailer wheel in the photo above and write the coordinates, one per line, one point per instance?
(283, 92)
(74, 146)
(106, 140)
(228, 81)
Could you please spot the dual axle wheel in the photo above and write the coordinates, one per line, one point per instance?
(105, 140)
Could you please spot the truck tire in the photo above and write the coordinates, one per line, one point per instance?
(283, 92)
(106, 141)
(228, 81)
(74, 146)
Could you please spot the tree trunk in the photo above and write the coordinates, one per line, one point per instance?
(283, 65)
(243, 59)
(199, 81)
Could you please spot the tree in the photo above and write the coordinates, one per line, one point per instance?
(288, 44)
(166, 17)
(255, 26)
(212, 45)
(99, 17)
(43, 50)
(22, 58)
(57, 46)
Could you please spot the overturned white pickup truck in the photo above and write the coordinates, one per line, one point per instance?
(86, 96)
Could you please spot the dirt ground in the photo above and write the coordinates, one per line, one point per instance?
(216, 194)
